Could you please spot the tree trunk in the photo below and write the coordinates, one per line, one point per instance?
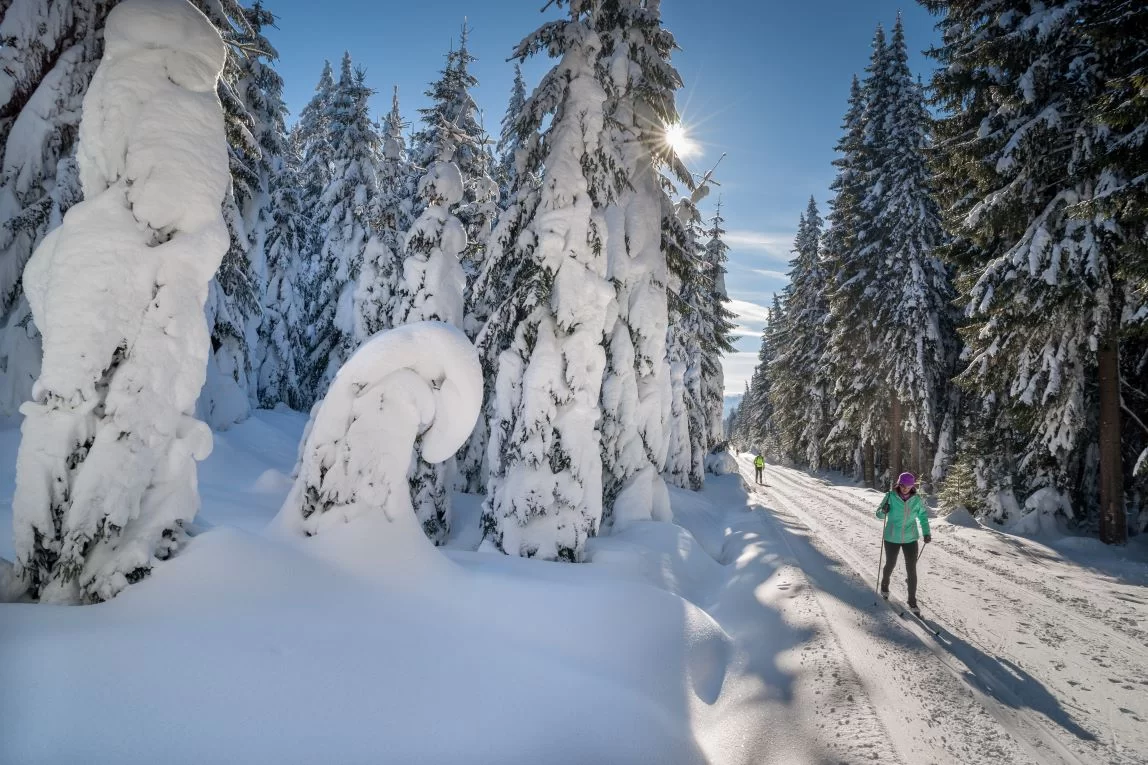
(1113, 525)
(895, 438)
(867, 462)
(915, 453)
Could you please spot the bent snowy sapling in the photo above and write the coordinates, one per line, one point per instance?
(421, 379)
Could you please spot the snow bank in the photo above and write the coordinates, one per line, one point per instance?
(721, 463)
(419, 381)
(644, 497)
(962, 517)
(106, 474)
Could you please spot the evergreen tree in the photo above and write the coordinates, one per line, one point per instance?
(798, 386)
(48, 54)
(854, 356)
(1119, 33)
(107, 463)
(234, 300)
(391, 216)
(544, 496)
(1043, 288)
(508, 142)
(913, 295)
(687, 431)
(717, 326)
(345, 226)
(274, 218)
(431, 289)
(634, 68)
(453, 110)
(282, 331)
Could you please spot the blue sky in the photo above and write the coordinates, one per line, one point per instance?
(765, 83)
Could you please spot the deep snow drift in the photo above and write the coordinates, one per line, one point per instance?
(742, 631)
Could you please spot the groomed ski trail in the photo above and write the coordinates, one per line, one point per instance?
(925, 686)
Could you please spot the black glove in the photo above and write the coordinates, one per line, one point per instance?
(928, 538)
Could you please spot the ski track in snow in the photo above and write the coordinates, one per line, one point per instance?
(1026, 667)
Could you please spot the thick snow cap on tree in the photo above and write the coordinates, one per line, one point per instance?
(421, 379)
(106, 470)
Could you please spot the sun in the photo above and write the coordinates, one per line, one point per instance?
(678, 139)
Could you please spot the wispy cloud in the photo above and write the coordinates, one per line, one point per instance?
(771, 274)
(738, 368)
(750, 313)
(774, 244)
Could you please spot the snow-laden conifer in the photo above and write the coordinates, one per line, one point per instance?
(381, 273)
(431, 289)
(635, 70)
(853, 356)
(453, 116)
(48, 56)
(717, 326)
(544, 496)
(506, 169)
(282, 347)
(912, 311)
(106, 469)
(343, 211)
(1041, 283)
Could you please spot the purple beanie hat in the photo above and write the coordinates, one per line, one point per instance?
(908, 480)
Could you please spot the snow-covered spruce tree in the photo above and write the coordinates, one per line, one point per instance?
(311, 139)
(1043, 288)
(233, 303)
(431, 289)
(502, 270)
(275, 220)
(912, 311)
(344, 211)
(854, 357)
(48, 54)
(686, 432)
(506, 169)
(717, 326)
(797, 382)
(544, 495)
(281, 353)
(416, 384)
(1118, 32)
(634, 69)
(453, 110)
(391, 218)
(106, 469)
(756, 414)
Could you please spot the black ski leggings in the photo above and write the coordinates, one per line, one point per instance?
(910, 549)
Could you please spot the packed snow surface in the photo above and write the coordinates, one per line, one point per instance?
(742, 630)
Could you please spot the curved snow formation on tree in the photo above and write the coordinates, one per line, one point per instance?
(106, 473)
(421, 382)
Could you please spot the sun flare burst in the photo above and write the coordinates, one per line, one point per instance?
(678, 139)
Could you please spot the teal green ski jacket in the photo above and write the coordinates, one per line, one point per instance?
(903, 516)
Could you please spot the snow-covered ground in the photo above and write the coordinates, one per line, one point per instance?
(744, 632)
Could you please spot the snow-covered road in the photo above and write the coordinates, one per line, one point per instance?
(1038, 660)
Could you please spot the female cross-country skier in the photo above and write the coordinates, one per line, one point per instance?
(902, 509)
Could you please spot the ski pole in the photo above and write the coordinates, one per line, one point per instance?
(881, 555)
